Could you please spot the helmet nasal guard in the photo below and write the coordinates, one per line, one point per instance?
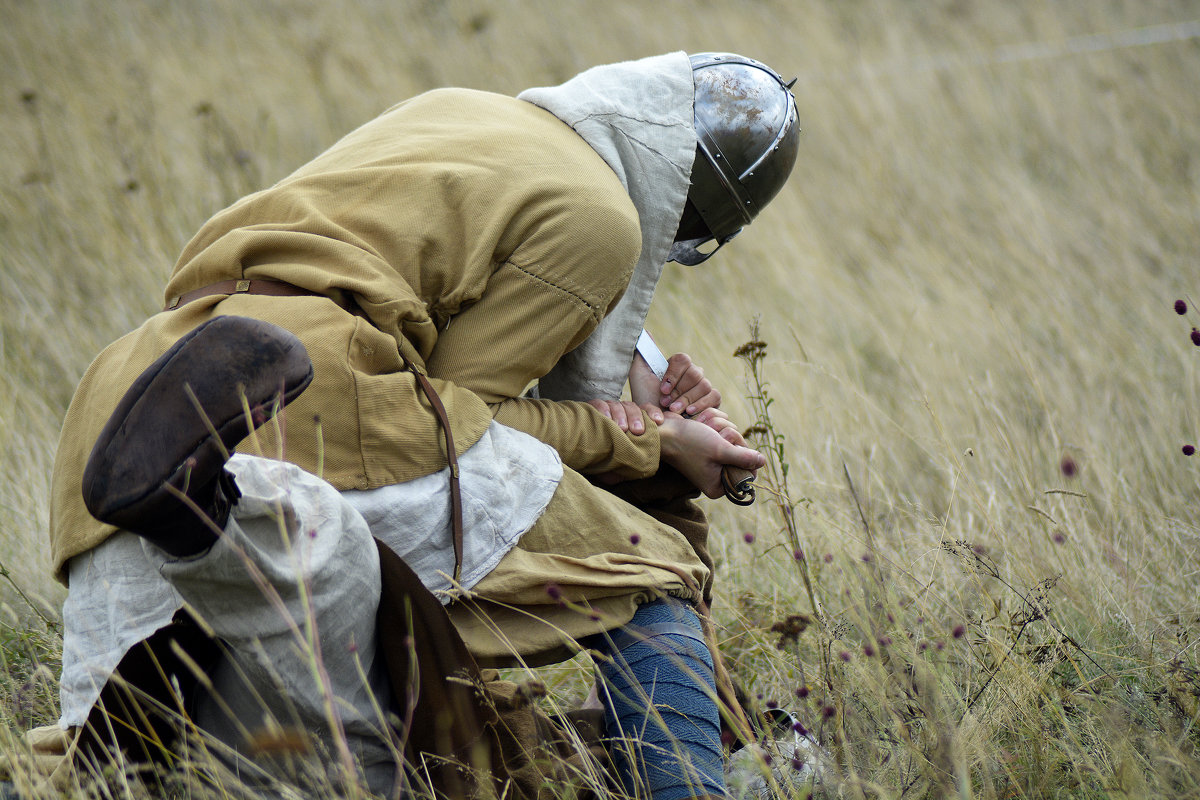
(747, 138)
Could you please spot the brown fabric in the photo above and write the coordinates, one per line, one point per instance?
(583, 568)
(471, 733)
(480, 238)
(433, 679)
(140, 712)
(670, 498)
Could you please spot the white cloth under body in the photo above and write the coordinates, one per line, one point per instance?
(126, 589)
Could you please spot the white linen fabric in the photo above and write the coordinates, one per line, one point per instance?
(507, 479)
(638, 116)
(126, 589)
(292, 590)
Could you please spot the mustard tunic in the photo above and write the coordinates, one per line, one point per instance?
(481, 237)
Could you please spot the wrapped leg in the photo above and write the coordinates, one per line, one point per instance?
(660, 701)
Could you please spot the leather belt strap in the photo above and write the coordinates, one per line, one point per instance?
(272, 288)
(283, 289)
(456, 516)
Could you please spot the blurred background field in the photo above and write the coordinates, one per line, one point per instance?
(966, 293)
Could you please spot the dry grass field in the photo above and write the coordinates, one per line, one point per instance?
(978, 387)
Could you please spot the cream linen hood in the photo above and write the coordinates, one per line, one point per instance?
(637, 115)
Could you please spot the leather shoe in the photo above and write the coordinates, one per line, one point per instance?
(162, 432)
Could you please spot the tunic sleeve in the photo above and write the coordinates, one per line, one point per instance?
(538, 304)
(588, 441)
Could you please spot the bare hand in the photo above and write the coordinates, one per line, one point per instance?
(700, 451)
(720, 422)
(683, 388)
(627, 414)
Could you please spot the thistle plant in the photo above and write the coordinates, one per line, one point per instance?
(764, 434)
(770, 441)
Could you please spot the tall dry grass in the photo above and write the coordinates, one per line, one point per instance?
(965, 292)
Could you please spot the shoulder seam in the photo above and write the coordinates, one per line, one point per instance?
(540, 279)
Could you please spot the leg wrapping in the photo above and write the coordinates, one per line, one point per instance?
(660, 704)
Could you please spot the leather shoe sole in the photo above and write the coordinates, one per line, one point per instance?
(159, 436)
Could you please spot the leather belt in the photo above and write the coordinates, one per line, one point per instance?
(283, 289)
(271, 288)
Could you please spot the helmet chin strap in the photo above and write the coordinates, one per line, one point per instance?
(688, 253)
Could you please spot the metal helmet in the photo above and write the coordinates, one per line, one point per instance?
(747, 138)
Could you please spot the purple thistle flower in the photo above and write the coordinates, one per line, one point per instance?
(802, 692)
(771, 704)
(1059, 537)
(798, 554)
(868, 651)
(828, 712)
(1180, 307)
(1188, 449)
(749, 537)
(799, 728)
(797, 762)
(844, 655)
(958, 631)
(1196, 337)
(829, 558)
(1068, 467)
(553, 590)
(634, 538)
